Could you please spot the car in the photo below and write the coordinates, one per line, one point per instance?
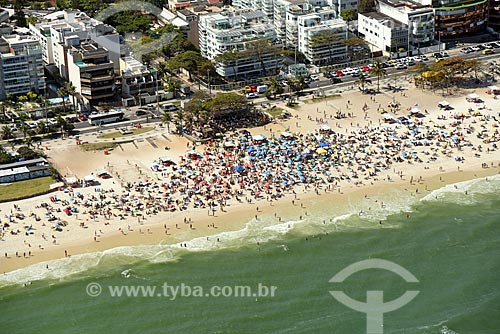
(340, 73)
(32, 125)
(487, 46)
(333, 75)
(488, 52)
(436, 54)
(444, 54)
(140, 112)
(170, 107)
(366, 68)
(439, 59)
(314, 77)
(466, 50)
(252, 95)
(496, 45)
(335, 80)
(52, 121)
(475, 48)
(400, 67)
(480, 47)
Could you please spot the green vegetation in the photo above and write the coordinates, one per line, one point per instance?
(129, 21)
(275, 112)
(117, 134)
(25, 188)
(98, 146)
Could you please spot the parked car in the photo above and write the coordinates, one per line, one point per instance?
(488, 52)
(140, 112)
(335, 80)
(400, 67)
(252, 95)
(314, 77)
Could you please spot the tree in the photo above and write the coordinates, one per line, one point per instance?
(361, 82)
(24, 128)
(62, 93)
(275, 88)
(230, 58)
(166, 118)
(189, 60)
(379, 71)
(260, 49)
(366, 6)
(7, 132)
(26, 152)
(19, 15)
(349, 15)
(70, 90)
(227, 102)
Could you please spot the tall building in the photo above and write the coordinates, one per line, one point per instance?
(235, 31)
(494, 15)
(332, 49)
(139, 82)
(383, 31)
(458, 18)
(419, 19)
(91, 72)
(58, 31)
(21, 66)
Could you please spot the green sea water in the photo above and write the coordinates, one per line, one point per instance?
(450, 243)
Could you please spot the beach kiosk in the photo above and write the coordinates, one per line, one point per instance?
(474, 98)
(493, 90)
(89, 180)
(72, 182)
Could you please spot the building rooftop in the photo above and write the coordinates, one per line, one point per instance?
(384, 19)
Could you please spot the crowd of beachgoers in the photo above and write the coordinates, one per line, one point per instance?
(242, 167)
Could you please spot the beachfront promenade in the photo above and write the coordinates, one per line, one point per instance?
(245, 173)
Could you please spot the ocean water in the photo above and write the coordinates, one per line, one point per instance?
(449, 240)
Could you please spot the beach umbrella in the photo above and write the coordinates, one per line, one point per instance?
(321, 151)
(323, 144)
(239, 168)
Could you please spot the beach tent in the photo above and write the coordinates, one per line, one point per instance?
(494, 90)
(443, 104)
(473, 96)
(259, 138)
(286, 134)
(229, 144)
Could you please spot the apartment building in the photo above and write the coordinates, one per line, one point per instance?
(494, 15)
(21, 66)
(266, 6)
(418, 17)
(58, 31)
(235, 31)
(91, 72)
(455, 19)
(139, 83)
(383, 31)
(327, 51)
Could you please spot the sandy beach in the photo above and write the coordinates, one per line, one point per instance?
(95, 228)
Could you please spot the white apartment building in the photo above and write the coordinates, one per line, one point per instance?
(58, 31)
(21, 66)
(235, 31)
(419, 19)
(341, 5)
(383, 31)
(334, 51)
(267, 6)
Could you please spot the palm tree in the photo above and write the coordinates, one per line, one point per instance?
(70, 90)
(379, 71)
(7, 132)
(179, 120)
(24, 128)
(166, 118)
(275, 87)
(348, 15)
(362, 81)
(41, 127)
(62, 93)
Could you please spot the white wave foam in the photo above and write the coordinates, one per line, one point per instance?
(465, 192)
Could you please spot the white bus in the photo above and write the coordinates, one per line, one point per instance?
(106, 117)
